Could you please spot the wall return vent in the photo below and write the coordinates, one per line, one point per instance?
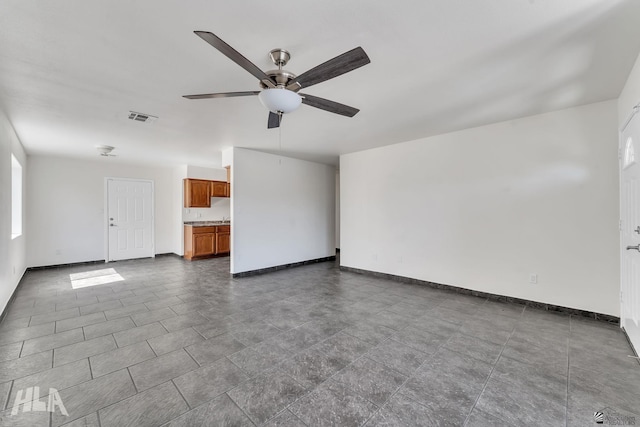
(142, 117)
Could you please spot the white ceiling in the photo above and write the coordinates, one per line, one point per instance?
(71, 70)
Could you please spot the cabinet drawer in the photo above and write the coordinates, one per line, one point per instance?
(200, 230)
(224, 229)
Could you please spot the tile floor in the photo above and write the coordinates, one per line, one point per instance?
(181, 343)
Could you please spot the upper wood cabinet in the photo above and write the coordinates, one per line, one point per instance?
(219, 189)
(197, 193)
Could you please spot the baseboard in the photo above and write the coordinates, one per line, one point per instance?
(283, 266)
(494, 297)
(98, 261)
(169, 254)
(69, 264)
(12, 297)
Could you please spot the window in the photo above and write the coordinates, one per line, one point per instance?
(16, 197)
(629, 154)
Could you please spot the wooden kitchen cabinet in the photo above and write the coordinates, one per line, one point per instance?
(219, 189)
(223, 239)
(205, 242)
(197, 193)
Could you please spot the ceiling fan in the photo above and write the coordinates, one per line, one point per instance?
(280, 88)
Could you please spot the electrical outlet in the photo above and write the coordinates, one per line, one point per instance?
(533, 278)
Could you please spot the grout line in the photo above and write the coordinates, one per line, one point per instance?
(409, 377)
(493, 367)
(226, 393)
(132, 382)
(7, 401)
(181, 395)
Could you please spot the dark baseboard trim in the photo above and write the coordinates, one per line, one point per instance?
(283, 266)
(494, 297)
(12, 297)
(98, 261)
(71, 264)
(170, 254)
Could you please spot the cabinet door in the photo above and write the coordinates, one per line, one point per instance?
(197, 193)
(219, 189)
(223, 243)
(204, 244)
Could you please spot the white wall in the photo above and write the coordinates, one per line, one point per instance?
(483, 208)
(179, 173)
(12, 251)
(630, 95)
(283, 210)
(220, 207)
(65, 197)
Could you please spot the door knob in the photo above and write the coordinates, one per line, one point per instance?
(636, 247)
(637, 230)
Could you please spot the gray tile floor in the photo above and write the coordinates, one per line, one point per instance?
(183, 343)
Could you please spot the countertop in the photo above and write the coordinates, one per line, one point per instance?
(206, 223)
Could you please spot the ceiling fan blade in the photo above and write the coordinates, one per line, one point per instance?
(274, 120)
(331, 106)
(235, 56)
(221, 95)
(335, 67)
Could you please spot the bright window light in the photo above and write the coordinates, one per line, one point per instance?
(95, 277)
(16, 197)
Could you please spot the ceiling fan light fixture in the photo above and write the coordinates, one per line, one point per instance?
(280, 100)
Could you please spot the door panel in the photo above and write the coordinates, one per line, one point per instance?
(630, 232)
(130, 219)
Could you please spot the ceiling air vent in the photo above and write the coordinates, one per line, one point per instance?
(141, 117)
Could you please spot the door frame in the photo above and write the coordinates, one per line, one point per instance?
(623, 252)
(106, 213)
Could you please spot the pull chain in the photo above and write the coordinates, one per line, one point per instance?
(280, 137)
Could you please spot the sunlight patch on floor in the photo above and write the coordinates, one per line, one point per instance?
(95, 277)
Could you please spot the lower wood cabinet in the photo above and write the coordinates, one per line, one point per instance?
(223, 239)
(205, 242)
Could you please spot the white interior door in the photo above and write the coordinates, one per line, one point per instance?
(630, 229)
(129, 219)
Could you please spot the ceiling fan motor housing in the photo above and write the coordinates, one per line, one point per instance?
(281, 77)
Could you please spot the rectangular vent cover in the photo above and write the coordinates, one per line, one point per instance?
(141, 117)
